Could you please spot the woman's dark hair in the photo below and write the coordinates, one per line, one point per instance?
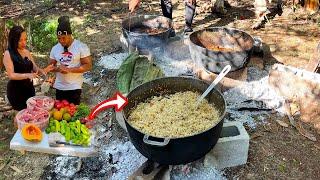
(14, 37)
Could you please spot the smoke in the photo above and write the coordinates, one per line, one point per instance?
(172, 56)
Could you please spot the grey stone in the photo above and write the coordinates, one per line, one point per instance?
(231, 149)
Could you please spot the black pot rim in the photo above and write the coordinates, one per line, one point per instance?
(145, 34)
(213, 28)
(221, 117)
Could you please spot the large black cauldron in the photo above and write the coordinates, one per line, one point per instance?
(214, 48)
(176, 150)
(135, 31)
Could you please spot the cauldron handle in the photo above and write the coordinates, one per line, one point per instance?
(146, 140)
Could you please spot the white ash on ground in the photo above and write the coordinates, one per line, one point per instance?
(66, 167)
(87, 80)
(195, 170)
(116, 160)
(174, 60)
(112, 61)
(172, 67)
(252, 102)
(124, 158)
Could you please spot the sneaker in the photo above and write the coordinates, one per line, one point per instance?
(188, 29)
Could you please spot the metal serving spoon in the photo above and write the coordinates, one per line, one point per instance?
(224, 72)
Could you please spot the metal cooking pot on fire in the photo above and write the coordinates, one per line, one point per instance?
(146, 32)
(174, 151)
(214, 48)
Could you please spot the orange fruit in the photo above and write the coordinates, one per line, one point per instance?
(66, 116)
(57, 115)
(63, 110)
(52, 111)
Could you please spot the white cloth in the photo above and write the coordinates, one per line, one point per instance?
(76, 50)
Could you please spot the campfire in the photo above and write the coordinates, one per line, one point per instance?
(246, 101)
(249, 102)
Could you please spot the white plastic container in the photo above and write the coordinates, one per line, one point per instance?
(39, 118)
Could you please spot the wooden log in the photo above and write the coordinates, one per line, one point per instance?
(301, 86)
(232, 79)
(311, 5)
(138, 174)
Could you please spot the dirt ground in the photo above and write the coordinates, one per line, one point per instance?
(275, 152)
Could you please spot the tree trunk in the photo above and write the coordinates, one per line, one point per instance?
(311, 5)
(3, 40)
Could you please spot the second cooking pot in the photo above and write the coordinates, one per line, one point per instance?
(135, 28)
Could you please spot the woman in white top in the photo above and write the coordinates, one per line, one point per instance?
(70, 58)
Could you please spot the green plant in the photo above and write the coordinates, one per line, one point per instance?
(84, 2)
(88, 20)
(9, 23)
(282, 167)
(48, 2)
(83, 111)
(43, 34)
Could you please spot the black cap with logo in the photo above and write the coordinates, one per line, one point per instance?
(64, 27)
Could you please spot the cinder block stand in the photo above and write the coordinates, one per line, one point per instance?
(231, 149)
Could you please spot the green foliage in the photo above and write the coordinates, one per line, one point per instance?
(48, 2)
(43, 34)
(9, 23)
(282, 167)
(136, 70)
(88, 20)
(84, 2)
(83, 111)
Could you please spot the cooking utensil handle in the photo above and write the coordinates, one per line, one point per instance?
(155, 143)
(224, 71)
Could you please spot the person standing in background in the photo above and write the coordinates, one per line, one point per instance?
(21, 69)
(166, 6)
(70, 58)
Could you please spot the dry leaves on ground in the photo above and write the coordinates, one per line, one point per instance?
(304, 133)
(281, 123)
(254, 136)
(16, 169)
(2, 166)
